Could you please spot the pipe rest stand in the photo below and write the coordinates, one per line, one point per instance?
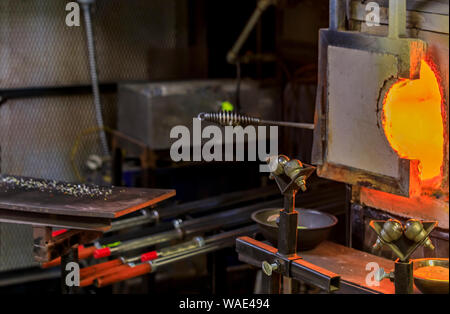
(290, 176)
(403, 241)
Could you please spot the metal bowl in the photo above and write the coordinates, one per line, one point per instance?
(313, 226)
(427, 285)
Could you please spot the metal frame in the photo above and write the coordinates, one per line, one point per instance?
(409, 67)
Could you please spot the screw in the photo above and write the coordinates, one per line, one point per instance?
(269, 268)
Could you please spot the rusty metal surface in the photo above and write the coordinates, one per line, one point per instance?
(119, 202)
(350, 264)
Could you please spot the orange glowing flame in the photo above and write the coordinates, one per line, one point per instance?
(413, 121)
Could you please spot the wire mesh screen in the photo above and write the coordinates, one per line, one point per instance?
(38, 49)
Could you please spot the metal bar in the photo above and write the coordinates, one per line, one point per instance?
(397, 18)
(337, 14)
(86, 5)
(403, 280)
(255, 253)
(44, 91)
(287, 232)
(298, 125)
(191, 227)
(260, 8)
(315, 275)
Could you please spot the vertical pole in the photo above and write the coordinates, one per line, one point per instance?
(287, 227)
(86, 5)
(397, 18)
(337, 14)
(348, 215)
(403, 277)
(271, 284)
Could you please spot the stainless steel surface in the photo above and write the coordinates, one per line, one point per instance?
(313, 226)
(140, 106)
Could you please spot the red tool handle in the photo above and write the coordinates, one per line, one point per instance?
(128, 273)
(149, 256)
(89, 280)
(88, 271)
(83, 253)
(103, 252)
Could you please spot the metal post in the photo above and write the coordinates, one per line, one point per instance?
(337, 14)
(287, 233)
(260, 8)
(86, 5)
(271, 284)
(287, 227)
(397, 18)
(403, 279)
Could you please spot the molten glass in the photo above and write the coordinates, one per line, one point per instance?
(413, 122)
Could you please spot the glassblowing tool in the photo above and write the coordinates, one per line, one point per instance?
(227, 118)
(125, 268)
(185, 229)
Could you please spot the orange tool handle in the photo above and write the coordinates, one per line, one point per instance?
(90, 270)
(125, 274)
(89, 280)
(83, 253)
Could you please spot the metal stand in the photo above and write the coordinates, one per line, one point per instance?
(403, 241)
(284, 261)
(404, 274)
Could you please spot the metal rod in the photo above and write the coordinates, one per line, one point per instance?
(298, 125)
(397, 18)
(190, 227)
(86, 5)
(194, 207)
(260, 8)
(337, 14)
(235, 119)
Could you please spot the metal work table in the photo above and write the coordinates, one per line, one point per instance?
(350, 264)
(44, 208)
(85, 210)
